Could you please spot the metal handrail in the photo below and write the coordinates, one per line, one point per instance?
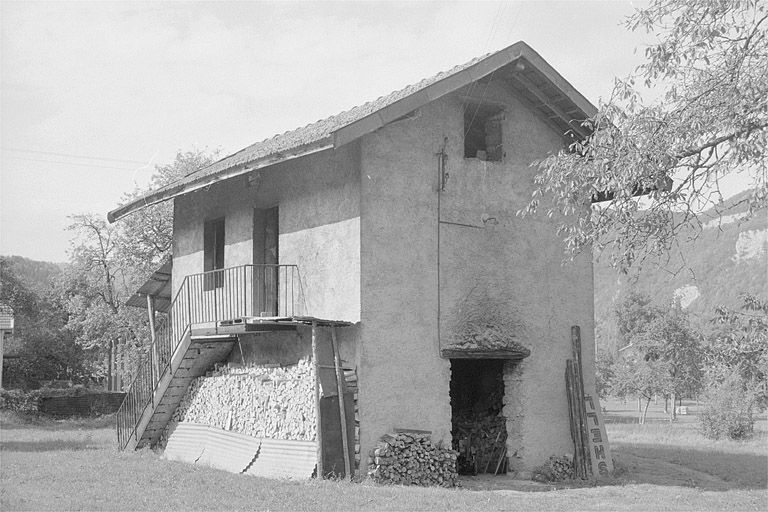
(212, 296)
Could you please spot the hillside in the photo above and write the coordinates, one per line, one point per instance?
(36, 275)
(727, 258)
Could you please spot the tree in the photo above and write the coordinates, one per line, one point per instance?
(96, 287)
(711, 64)
(109, 262)
(144, 238)
(737, 367)
(662, 352)
(739, 344)
(633, 315)
(604, 373)
(46, 349)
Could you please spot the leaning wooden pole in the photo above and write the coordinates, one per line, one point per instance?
(342, 408)
(318, 424)
(579, 389)
(579, 464)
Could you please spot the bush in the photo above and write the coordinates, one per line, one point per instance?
(19, 401)
(728, 413)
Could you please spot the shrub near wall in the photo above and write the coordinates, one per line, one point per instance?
(19, 401)
(729, 410)
(259, 400)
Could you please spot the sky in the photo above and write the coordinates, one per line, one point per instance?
(94, 95)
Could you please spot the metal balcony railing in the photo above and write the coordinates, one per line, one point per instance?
(247, 290)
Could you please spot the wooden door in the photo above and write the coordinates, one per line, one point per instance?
(266, 258)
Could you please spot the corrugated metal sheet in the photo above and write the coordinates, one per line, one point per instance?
(235, 452)
(285, 458)
(186, 442)
(158, 285)
(230, 451)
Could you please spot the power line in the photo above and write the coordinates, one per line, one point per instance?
(81, 164)
(74, 156)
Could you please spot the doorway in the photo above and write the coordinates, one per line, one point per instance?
(266, 237)
(478, 426)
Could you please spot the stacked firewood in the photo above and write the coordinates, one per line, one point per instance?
(261, 401)
(480, 441)
(412, 459)
(556, 469)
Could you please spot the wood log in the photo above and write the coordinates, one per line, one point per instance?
(263, 401)
(412, 459)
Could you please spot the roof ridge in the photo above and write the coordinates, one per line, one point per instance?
(343, 127)
(423, 82)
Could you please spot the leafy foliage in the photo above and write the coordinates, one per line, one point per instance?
(739, 345)
(711, 61)
(72, 323)
(633, 314)
(663, 352)
(19, 401)
(604, 373)
(108, 262)
(46, 350)
(710, 263)
(729, 409)
(144, 238)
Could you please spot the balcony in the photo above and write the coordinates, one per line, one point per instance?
(220, 302)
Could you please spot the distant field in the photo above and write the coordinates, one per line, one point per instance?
(660, 451)
(73, 465)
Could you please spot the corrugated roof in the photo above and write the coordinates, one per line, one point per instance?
(158, 285)
(540, 85)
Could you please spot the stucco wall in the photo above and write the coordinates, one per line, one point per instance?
(495, 264)
(318, 201)
(402, 380)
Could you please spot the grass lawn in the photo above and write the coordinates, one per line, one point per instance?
(73, 465)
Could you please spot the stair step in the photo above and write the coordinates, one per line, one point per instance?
(195, 360)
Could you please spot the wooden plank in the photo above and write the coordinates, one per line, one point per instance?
(342, 412)
(515, 355)
(573, 416)
(579, 389)
(542, 97)
(317, 403)
(599, 448)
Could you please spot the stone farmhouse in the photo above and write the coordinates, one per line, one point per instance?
(376, 256)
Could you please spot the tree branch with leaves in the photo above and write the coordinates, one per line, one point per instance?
(710, 66)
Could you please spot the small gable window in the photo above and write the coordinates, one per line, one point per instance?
(482, 132)
(213, 253)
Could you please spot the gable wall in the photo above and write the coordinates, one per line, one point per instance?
(318, 200)
(506, 271)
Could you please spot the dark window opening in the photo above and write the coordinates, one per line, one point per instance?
(482, 132)
(478, 426)
(213, 253)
